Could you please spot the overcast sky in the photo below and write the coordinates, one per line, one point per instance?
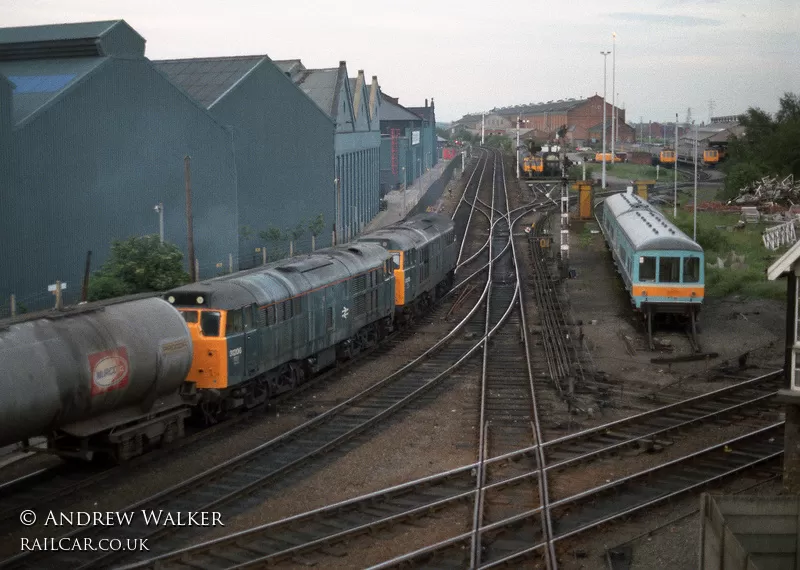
(472, 56)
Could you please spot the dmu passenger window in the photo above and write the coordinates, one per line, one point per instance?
(691, 269)
(647, 269)
(209, 323)
(669, 269)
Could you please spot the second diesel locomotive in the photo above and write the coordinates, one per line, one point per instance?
(262, 332)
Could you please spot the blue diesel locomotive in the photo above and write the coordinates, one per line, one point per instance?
(663, 268)
(261, 332)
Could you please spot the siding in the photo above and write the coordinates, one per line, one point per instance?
(284, 156)
(90, 168)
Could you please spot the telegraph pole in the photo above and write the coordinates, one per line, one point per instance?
(483, 124)
(605, 59)
(193, 273)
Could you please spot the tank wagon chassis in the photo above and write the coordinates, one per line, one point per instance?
(106, 378)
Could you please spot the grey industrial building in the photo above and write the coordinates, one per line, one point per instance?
(95, 137)
(283, 144)
(356, 142)
(408, 142)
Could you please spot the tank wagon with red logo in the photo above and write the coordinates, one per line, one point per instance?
(96, 378)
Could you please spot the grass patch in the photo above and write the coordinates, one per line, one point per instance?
(748, 279)
(642, 172)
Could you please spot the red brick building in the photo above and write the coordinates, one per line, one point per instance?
(580, 116)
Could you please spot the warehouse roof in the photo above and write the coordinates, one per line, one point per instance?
(206, 80)
(390, 111)
(39, 82)
(83, 39)
(321, 85)
(532, 109)
(291, 66)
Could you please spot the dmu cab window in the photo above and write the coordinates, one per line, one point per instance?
(669, 269)
(691, 269)
(209, 323)
(647, 269)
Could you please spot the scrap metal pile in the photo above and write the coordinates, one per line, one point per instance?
(784, 192)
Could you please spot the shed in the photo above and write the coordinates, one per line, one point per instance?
(349, 104)
(97, 138)
(283, 144)
(749, 532)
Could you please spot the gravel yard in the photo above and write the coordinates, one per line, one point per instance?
(439, 432)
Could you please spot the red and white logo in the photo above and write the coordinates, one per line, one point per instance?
(109, 370)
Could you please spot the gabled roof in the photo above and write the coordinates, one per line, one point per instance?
(292, 67)
(82, 39)
(39, 82)
(321, 85)
(206, 80)
(549, 107)
(785, 263)
(422, 112)
(390, 111)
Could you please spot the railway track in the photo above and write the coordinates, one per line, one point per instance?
(311, 533)
(57, 486)
(255, 475)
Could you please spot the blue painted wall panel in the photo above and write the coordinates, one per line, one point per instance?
(91, 167)
(284, 157)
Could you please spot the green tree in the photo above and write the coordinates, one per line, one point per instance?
(276, 237)
(768, 146)
(137, 265)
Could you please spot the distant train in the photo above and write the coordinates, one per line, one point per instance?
(710, 156)
(662, 268)
(120, 376)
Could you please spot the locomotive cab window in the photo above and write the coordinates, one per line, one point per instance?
(669, 269)
(209, 323)
(691, 269)
(647, 269)
(190, 316)
(395, 261)
(234, 322)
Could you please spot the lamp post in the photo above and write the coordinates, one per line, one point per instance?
(613, 91)
(159, 208)
(605, 59)
(675, 174)
(517, 147)
(694, 237)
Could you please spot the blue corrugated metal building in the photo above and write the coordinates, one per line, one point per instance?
(356, 143)
(411, 148)
(430, 155)
(282, 140)
(97, 137)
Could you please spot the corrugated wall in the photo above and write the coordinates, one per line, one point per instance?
(284, 153)
(358, 166)
(91, 167)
